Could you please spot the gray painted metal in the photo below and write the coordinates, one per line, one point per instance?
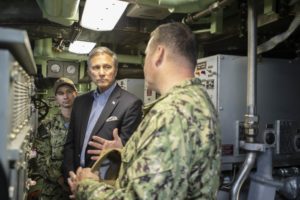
(17, 116)
(262, 185)
(17, 42)
(278, 98)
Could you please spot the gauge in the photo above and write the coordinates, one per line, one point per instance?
(55, 68)
(71, 69)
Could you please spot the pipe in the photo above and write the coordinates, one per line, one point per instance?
(213, 7)
(38, 47)
(263, 186)
(252, 45)
(172, 3)
(270, 44)
(243, 174)
(250, 117)
(47, 47)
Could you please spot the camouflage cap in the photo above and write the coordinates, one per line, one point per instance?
(63, 81)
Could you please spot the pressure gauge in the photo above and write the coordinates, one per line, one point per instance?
(55, 68)
(71, 69)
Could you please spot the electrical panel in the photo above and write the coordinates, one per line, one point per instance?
(224, 77)
(18, 116)
(207, 71)
(134, 86)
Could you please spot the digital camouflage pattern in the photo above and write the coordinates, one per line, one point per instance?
(49, 145)
(174, 153)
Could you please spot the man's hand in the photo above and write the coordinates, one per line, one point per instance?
(72, 181)
(101, 144)
(81, 173)
(86, 173)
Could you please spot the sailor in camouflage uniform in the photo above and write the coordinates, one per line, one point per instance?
(49, 144)
(175, 152)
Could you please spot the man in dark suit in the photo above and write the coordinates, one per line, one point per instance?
(98, 112)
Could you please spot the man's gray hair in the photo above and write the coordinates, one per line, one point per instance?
(103, 50)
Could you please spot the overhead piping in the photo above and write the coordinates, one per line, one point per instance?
(212, 8)
(270, 44)
(43, 50)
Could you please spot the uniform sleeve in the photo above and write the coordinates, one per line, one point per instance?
(43, 149)
(90, 189)
(156, 171)
(149, 177)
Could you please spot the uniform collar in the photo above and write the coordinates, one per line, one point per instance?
(183, 84)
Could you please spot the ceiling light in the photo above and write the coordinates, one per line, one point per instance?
(81, 47)
(102, 15)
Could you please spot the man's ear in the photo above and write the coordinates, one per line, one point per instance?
(116, 72)
(159, 55)
(88, 72)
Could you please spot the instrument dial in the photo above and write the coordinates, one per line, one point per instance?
(55, 68)
(71, 69)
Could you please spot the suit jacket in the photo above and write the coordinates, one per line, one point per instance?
(123, 110)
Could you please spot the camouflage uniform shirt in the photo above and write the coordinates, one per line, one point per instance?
(49, 145)
(174, 153)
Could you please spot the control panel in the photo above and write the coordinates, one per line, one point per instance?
(206, 70)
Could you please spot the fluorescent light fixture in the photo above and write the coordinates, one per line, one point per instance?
(102, 15)
(81, 47)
